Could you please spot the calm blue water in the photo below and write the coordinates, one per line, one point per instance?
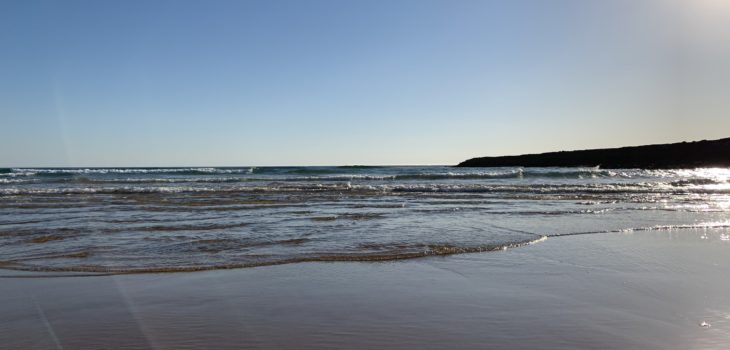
(180, 219)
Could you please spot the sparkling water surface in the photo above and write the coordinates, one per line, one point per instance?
(198, 218)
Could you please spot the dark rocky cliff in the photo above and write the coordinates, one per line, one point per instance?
(696, 154)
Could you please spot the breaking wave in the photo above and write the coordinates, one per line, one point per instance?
(636, 188)
(102, 171)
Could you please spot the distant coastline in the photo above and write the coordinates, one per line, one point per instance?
(697, 154)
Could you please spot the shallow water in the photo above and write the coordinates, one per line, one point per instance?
(186, 219)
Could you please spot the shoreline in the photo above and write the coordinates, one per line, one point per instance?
(649, 289)
(434, 251)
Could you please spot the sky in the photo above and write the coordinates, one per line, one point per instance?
(226, 83)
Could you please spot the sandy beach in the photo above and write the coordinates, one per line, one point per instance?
(649, 290)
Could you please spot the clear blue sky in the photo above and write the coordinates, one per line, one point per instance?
(166, 83)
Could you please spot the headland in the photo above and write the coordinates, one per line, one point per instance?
(698, 154)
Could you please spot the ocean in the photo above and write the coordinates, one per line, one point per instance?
(134, 220)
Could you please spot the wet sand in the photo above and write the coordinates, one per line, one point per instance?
(648, 290)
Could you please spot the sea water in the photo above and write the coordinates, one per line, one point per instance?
(123, 220)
